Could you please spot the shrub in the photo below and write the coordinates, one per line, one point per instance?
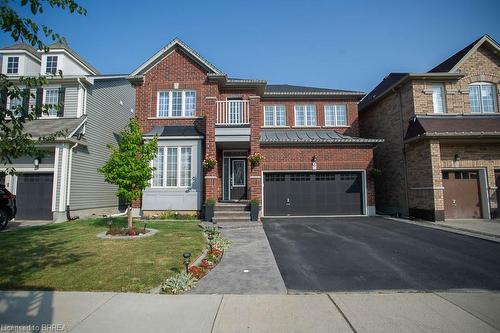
(179, 283)
(254, 202)
(210, 202)
(198, 272)
(170, 215)
(220, 243)
(211, 230)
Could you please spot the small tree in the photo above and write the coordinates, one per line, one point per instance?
(129, 165)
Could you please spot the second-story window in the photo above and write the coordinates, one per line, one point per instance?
(305, 115)
(51, 96)
(274, 115)
(12, 65)
(176, 103)
(438, 100)
(482, 97)
(336, 115)
(51, 65)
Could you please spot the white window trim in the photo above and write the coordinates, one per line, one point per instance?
(18, 65)
(336, 123)
(57, 64)
(495, 93)
(305, 115)
(164, 180)
(170, 102)
(443, 98)
(274, 106)
(44, 115)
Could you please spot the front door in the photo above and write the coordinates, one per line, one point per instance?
(237, 179)
(462, 199)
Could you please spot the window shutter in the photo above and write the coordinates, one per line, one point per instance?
(39, 102)
(60, 111)
(26, 102)
(3, 98)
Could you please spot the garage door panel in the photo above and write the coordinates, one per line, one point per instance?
(313, 193)
(462, 198)
(34, 196)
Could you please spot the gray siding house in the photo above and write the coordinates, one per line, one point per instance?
(95, 108)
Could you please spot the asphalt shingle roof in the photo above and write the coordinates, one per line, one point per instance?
(290, 136)
(24, 47)
(385, 84)
(74, 54)
(449, 63)
(174, 131)
(44, 127)
(290, 89)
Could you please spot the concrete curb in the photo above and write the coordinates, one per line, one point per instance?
(460, 231)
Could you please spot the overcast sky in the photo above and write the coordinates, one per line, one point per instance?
(333, 44)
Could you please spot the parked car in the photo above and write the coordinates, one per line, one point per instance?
(7, 207)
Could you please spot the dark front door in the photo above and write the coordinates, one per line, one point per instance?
(34, 196)
(237, 179)
(313, 193)
(461, 194)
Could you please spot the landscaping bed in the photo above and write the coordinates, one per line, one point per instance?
(196, 270)
(69, 256)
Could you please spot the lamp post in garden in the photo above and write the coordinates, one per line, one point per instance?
(210, 239)
(186, 256)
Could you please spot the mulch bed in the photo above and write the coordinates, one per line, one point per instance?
(127, 232)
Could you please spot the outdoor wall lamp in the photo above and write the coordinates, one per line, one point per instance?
(36, 162)
(186, 256)
(314, 164)
(456, 158)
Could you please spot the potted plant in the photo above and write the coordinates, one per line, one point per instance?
(209, 209)
(254, 210)
(209, 164)
(255, 159)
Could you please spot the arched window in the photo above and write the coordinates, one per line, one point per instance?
(482, 97)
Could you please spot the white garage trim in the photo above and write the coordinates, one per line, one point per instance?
(363, 186)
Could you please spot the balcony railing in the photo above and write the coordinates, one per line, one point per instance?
(233, 113)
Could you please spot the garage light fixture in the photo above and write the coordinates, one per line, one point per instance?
(36, 162)
(314, 164)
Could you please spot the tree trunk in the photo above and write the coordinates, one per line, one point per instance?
(129, 216)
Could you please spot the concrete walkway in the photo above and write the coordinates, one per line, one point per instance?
(340, 312)
(483, 229)
(247, 267)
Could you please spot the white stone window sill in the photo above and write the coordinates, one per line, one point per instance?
(155, 118)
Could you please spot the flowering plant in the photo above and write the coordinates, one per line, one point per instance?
(255, 159)
(209, 164)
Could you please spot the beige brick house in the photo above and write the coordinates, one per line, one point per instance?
(441, 155)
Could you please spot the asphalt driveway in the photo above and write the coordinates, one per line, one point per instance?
(373, 253)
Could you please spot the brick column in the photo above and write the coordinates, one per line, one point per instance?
(255, 173)
(437, 180)
(211, 178)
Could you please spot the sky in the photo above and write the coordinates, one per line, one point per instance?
(332, 44)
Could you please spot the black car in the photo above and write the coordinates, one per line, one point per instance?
(7, 206)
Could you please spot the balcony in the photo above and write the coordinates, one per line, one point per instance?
(233, 113)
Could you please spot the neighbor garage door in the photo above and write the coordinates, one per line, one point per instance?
(313, 193)
(462, 199)
(34, 196)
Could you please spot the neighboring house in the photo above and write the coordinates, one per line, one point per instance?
(441, 155)
(314, 163)
(93, 109)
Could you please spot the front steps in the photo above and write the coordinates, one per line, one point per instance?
(231, 212)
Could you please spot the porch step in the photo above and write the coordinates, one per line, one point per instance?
(223, 220)
(230, 206)
(231, 213)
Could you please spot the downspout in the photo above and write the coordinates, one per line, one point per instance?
(404, 151)
(68, 188)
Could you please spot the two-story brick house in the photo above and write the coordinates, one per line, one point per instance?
(314, 162)
(441, 154)
(93, 108)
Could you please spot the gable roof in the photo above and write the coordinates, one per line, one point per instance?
(74, 54)
(176, 43)
(388, 81)
(452, 63)
(23, 47)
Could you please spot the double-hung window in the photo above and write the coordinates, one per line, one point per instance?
(482, 97)
(173, 167)
(274, 115)
(438, 98)
(176, 103)
(51, 65)
(336, 115)
(13, 105)
(51, 98)
(12, 65)
(305, 115)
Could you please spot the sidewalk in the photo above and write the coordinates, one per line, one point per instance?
(483, 229)
(339, 312)
(247, 267)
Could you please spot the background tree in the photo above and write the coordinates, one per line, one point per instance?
(14, 142)
(129, 165)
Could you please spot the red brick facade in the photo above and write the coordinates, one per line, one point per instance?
(176, 70)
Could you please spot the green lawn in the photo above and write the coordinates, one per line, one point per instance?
(69, 256)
